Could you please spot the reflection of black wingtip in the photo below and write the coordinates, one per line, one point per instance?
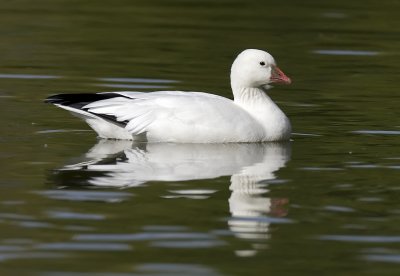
(80, 175)
(71, 179)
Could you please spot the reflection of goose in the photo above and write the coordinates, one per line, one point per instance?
(125, 164)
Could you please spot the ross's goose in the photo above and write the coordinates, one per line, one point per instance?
(191, 117)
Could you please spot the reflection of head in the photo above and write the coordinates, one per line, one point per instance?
(248, 205)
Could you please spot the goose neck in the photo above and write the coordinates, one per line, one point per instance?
(250, 96)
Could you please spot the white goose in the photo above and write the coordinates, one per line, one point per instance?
(191, 117)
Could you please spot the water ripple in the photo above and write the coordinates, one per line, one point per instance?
(158, 239)
(31, 255)
(185, 196)
(363, 166)
(84, 195)
(80, 273)
(142, 236)
(175, 269)
(320, 169)
(190, 194)
(334, 15)
(27, 76)
(335, 208)
(73, 215)
(61, 131)
(12, 248)
(388, 258)
(346, 52)
(377, 132)
(187, 244)
(34, 224)
(84, 246)
(367, 239)
(382, 254)
(137, 80)
(305, 134)
(133, 86)
(262, 219)
(153, 228)
(15, 216)
(193, 192)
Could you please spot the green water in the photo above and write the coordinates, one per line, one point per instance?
(327, 203)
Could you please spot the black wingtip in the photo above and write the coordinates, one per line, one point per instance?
(54, 99)
(79, 100)
(76, 100)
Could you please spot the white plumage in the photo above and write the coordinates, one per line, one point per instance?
(191, 117)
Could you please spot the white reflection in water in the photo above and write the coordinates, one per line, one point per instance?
(125, 164)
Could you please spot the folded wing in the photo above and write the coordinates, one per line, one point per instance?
(163, 116)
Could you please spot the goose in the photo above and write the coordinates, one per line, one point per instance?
(191, 117)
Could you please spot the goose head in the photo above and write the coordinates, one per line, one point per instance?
(256, 69)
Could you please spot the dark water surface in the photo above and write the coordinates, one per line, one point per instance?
(326, 203)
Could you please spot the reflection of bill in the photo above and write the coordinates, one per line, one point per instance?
(251, 166)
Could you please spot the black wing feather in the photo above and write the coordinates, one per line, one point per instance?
(78, 101)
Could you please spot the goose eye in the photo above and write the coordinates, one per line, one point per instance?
(262, 63)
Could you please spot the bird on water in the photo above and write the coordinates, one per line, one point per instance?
(191, 117)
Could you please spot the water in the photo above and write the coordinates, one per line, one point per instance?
(324, 203)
